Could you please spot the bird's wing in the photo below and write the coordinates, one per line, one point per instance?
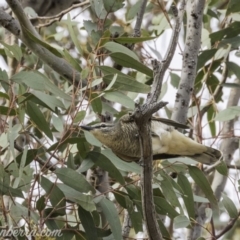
(170, 122)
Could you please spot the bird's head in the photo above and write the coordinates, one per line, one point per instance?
(104, 132)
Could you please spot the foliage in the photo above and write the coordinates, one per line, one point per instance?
(46, 181)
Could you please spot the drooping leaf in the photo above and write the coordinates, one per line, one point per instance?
(104, 163)
(13, 51)
(91, 139)
(127, 61)
(175, 79)
(127, 83)
(96, 103)
(55, 195)
(39, 82)
(181, 221)
(7, 111)
(74, 180)
(116, 47)
(38, 118)
(211, 113)
(110, 212)
(79, 116)
(88, 223)
(133, 40)
(98, 8)
(85, 200)
(234, 68)
(228, 114)
(230, 206)
(120, 98)
(187, 195)
(120, 164)
(205, 56)
(42, 43)
(163, 207)
(222, 168)
(112, 5)
(200, 179)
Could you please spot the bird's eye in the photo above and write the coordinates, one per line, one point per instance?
(103, 125)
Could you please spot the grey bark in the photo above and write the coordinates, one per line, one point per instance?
(190, 54)
(48, 8)
(23, 28)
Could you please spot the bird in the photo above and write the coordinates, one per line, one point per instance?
(167, 141)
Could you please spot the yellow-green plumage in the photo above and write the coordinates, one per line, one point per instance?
(122, 138)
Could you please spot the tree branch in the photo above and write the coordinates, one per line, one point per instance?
(141, 115)
(190, 55)
(137, 28)
(23, 29)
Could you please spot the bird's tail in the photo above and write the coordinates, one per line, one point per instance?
(210, 156)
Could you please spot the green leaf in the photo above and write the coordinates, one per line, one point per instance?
(163, 207)
(91, 139)
(230, 206)
(31, 155)
(168, 190)
(4, 95)
(79, 116)
(127, 61)
(9, 191)
(116, 47)
(231, 85)
(228, 114)
(96, 103)
(74, 180)
(163, 230)
(222, 168)
(13, 51)
(87, 223)
(38, 118)
(120, 164)
(73, 34)
(175, 79)
(188, 195)
(51, 101)
(39, 82)
(120, 98)
(72, 60)
(85, 200)
(133, 10)
(55, 195)
(205, 56)
(98, 7)
(200, 179)
(7, 111)
(233, 6)
(42, 43)
(123, 40)
(104, 163)
(40, 205)
(211, 113)
(234, 68)
(112, 5)
(181, 221)
(127, 83)
(110, 212)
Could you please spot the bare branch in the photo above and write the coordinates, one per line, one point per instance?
(141, 116)
(192, 46)
(228, 145)
(137, 28)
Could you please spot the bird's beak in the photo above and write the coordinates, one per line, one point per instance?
(88, 128)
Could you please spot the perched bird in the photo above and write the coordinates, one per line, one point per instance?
(167, 142)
